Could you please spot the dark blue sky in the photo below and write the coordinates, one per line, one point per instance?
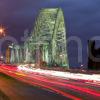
(82, 19)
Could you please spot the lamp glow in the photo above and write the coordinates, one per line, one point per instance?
(2, 31)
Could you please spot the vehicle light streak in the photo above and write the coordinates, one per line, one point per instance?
(43, 86)
(60, 80)
(90, 91)
(49, 81)
(92, 78)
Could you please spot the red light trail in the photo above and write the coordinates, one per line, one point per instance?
(53, 83)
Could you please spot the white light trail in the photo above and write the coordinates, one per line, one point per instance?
(87, 77)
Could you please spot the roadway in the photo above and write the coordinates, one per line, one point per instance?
(12, 89)
(45, 87)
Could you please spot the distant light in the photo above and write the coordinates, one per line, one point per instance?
(10, 46)
(81, 65)
(2, 31)
(1, 57)
(61, 55)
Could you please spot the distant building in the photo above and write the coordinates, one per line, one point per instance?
(93, 56)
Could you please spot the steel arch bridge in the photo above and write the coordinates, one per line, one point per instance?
(48, 38)
(47, 42)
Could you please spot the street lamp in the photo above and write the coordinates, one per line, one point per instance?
(2, 31)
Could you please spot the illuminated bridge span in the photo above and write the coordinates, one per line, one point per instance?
(47, 42)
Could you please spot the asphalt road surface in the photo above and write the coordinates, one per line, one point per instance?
(44, 86)
(12, 89)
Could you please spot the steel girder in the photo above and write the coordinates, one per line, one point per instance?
(49, 37)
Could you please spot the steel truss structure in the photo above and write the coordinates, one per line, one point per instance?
(47, 42)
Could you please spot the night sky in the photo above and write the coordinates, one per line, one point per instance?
(82, 18)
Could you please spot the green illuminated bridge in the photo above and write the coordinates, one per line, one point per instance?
(47, 43)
